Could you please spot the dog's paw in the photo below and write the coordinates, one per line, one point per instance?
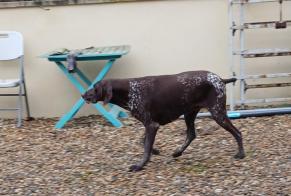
(155, 151)
(135, 168)
(239, 156)
(177, 153)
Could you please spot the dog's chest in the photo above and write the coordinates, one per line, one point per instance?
(138, 91)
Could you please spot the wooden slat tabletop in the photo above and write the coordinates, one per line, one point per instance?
(91, 53)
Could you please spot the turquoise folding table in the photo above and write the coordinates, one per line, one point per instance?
(110, 54)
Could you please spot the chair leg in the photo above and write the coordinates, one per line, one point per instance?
(26, 102)
(19, 106)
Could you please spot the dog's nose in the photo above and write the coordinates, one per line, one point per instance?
(83, 97)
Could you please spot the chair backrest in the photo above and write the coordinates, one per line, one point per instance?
(11, 45)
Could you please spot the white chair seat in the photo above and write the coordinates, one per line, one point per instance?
(8, 83)
(11, 48)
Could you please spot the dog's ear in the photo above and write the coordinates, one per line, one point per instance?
(98, 89)
(98, 85)
(108, 95)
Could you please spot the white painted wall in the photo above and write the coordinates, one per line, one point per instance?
(166, 37)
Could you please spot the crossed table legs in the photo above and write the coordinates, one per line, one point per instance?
(111, 116)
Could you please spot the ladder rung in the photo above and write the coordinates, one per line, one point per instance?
(254, 1)
(9, 109)
(257, 25)
(12, 95)
(252, 53)
(266, 100)
(267, 85)
(276, 75)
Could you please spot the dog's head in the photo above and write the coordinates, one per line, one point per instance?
(102, 91)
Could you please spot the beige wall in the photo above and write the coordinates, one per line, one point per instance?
(166, 37)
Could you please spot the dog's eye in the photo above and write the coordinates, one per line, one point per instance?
(96, 85)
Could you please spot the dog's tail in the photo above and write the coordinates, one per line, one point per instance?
(226, 81)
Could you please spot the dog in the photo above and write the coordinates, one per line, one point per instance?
(158, 100)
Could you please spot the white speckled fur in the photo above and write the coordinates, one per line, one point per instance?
(217, 83)
(134, 94)
(137, 90)
(189, 82)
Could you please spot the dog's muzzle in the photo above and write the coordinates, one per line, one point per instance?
(85, 98)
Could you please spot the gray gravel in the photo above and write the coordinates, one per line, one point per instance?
(90, 157)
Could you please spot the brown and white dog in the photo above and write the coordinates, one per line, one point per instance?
(158, 100)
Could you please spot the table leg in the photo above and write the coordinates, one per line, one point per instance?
(114, 121)
(116, 111)
(110, 117)
(68, 116)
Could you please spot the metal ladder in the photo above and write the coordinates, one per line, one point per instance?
(244, 53)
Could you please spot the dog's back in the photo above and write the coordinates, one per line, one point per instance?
(167, 97)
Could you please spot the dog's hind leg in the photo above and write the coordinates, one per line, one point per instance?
(150, 134)
(191, 135)
(219, 114)
(154, 151)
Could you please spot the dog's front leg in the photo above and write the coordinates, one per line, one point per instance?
(154, 150)
(150, 134)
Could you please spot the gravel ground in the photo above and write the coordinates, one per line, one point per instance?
(90, 157)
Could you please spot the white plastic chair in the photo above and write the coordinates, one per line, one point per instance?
(11, 48)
